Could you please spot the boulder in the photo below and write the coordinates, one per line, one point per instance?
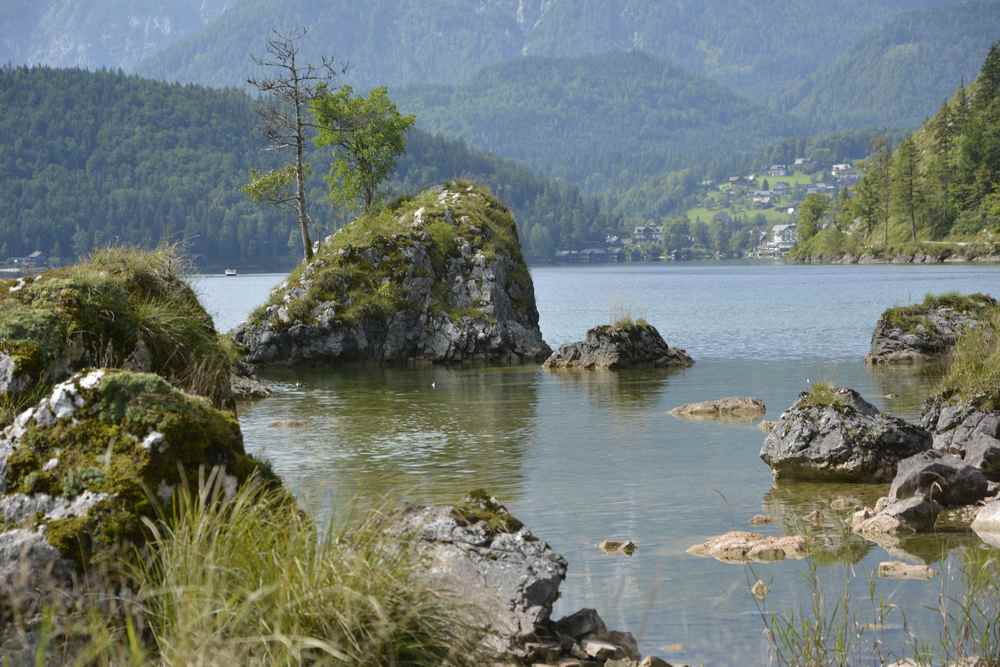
(245, 384)
(625, 344)
(743, 547)
(927, 330)
(437, 278)
(510, 580)
(81, 469)
(123, 308)
(986, 524)
(949, 480)
(965, 429)
(915, 514)
(723, 408)
(835, 435)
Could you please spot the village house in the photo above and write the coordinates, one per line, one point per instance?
(777, 171)
(645, 233)
(779, 241)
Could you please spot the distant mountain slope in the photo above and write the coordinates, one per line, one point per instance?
(87, 159)
(897, 75)
(97, 33)
(757, 48)
(594, 119)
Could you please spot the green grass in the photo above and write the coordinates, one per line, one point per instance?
(249, 580)
(912, 318)
(101, 311)
(974, 373)
(823, 395)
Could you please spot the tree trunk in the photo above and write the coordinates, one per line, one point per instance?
(300, 182)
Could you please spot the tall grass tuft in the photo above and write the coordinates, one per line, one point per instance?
(247, 579)
(975, 365)
(243, 577)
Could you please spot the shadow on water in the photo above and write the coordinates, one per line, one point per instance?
(420, 435)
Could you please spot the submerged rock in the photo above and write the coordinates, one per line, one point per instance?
(722, 408)
(949, 480)
(743, 547)
(626, 344)
(915, 514)
(81, 469)
(835, 435)
(438, 278)
(921, 332)
(904, 571)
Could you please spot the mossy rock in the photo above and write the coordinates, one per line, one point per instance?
(121, 308)
(436, 277)
(106, 449)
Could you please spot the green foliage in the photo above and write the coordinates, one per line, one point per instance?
(974, 373)
(271, 186)
(479, 506)
(598, 120)
(367, 135)
(897, 73)
(811, 213)
(909, 318)
(93, 158)
(822, 395)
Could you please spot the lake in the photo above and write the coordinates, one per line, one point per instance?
(581, 457)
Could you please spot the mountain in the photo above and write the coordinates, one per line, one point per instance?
(756, 48)
(90, 158)
(597, 119)
(898, 74)
(98, 33)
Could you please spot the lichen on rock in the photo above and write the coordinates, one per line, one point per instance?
(437, 277)
(83, 466)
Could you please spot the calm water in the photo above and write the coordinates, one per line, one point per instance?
(583, 457)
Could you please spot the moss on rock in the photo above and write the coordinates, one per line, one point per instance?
(436, 276)
(121, 308)
(125, 439)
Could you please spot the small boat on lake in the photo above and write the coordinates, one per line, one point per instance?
(231, 273)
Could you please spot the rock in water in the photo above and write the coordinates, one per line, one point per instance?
(947, 479)
(479, 552)
(78, 468)
(626, 344)
(966, 430)
(438, 277)
(835, 435)
(510, 580)
(722, 409)
(921, 332)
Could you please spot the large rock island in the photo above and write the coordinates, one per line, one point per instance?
(438, 277)
(926, 330)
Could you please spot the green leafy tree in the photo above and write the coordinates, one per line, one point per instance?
(811, 213)
(367, 135)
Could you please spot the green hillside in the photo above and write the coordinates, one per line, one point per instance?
(598, 119)
(937, 193)
(897, 75)
(87, 159)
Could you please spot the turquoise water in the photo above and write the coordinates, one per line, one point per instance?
(583, 457)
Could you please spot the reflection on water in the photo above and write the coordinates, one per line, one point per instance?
(585, 457)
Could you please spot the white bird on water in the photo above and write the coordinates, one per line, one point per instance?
(434, 385)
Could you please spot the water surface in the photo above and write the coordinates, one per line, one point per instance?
(585, 456)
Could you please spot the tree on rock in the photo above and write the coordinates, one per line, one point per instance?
(367, 135)
(285, 124)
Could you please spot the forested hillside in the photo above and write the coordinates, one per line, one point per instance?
(87, 159)
(940, 185)
(756, 48)
(898, 74)
(598, 120)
